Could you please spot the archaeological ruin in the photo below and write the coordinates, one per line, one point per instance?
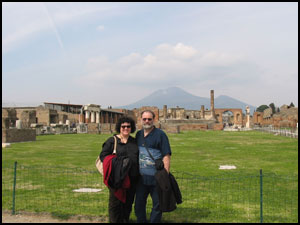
(24, 123)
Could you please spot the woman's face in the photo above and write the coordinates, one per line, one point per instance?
(125, 129)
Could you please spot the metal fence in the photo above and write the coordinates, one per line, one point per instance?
(293, 133)
(75, 191)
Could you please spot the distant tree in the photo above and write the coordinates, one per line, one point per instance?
(272, 106)
(262, 108)
(278, 110)
(292, 105)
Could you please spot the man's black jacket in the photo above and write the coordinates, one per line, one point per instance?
(168, 191)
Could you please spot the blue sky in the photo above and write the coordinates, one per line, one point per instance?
(117, 53)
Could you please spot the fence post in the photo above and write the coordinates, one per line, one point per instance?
(14, 189)
(261, 196)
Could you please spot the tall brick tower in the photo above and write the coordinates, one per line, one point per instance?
(212, 104)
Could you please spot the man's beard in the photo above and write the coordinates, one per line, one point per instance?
(147, 126)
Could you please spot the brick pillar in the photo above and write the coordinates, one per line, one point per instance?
(116, 118)
(202, 112)
(165, 112)
(106, 118)
(101, 118)
(212, 103)
(174, 113)
(81, 118)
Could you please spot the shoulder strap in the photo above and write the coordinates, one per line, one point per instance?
(115, 146)
(147, 148)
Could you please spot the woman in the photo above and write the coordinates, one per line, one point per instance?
(119, 212)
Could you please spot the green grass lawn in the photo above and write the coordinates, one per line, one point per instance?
(54, 165)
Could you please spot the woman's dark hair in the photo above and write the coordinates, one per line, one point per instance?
(125, 119)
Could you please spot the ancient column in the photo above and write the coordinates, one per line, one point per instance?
(174, 113)
(87, 116)
(247, 117)
(192, 115)
(81, 118)
(165, 112)
(101, 117)
(202, 112)
(97, 117)
(212, 104)
(92, 117)
(106, 118)
(115, 118)
(19, 124)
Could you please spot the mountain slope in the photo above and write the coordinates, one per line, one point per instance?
(174, 96)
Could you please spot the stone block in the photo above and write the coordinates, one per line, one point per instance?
(18, 135)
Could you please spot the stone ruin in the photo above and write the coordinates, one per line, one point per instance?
(11, 132)
(93, 119)
(179, 119)
(287, 117)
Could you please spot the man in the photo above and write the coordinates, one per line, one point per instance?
(158, 145)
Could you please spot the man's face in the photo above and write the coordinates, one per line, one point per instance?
(147, 120)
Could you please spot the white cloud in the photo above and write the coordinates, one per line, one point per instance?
(179, 51)
(166, 65)
(100, 28)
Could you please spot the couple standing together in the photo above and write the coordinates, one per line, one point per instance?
(142, 169)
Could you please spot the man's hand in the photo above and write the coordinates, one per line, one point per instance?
(166, 161)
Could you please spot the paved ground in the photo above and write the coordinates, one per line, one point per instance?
(45, 218)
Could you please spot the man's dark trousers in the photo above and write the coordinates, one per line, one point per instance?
(145, 187)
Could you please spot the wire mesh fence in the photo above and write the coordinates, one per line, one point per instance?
(292, 132)
(75, 191)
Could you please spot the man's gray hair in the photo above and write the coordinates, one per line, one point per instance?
(147, 110)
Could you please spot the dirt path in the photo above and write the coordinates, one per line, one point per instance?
(46, 218)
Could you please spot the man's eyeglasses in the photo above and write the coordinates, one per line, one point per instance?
(126, 127)
(149, 119)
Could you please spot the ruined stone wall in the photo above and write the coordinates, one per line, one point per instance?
(93, 128)
(186, 127)
(176, 128)
(267, 113)
(193, 114)
(43, 116)
(237, 115)
(128, 113)
(218, 126)
(9, 117)
(288, 117)
(186, 121)
(46, 116)
(62, 118)
(107, 128)
(73, 118)
(170, 128)
(18, 135)
(257, 118)
(27, 117)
